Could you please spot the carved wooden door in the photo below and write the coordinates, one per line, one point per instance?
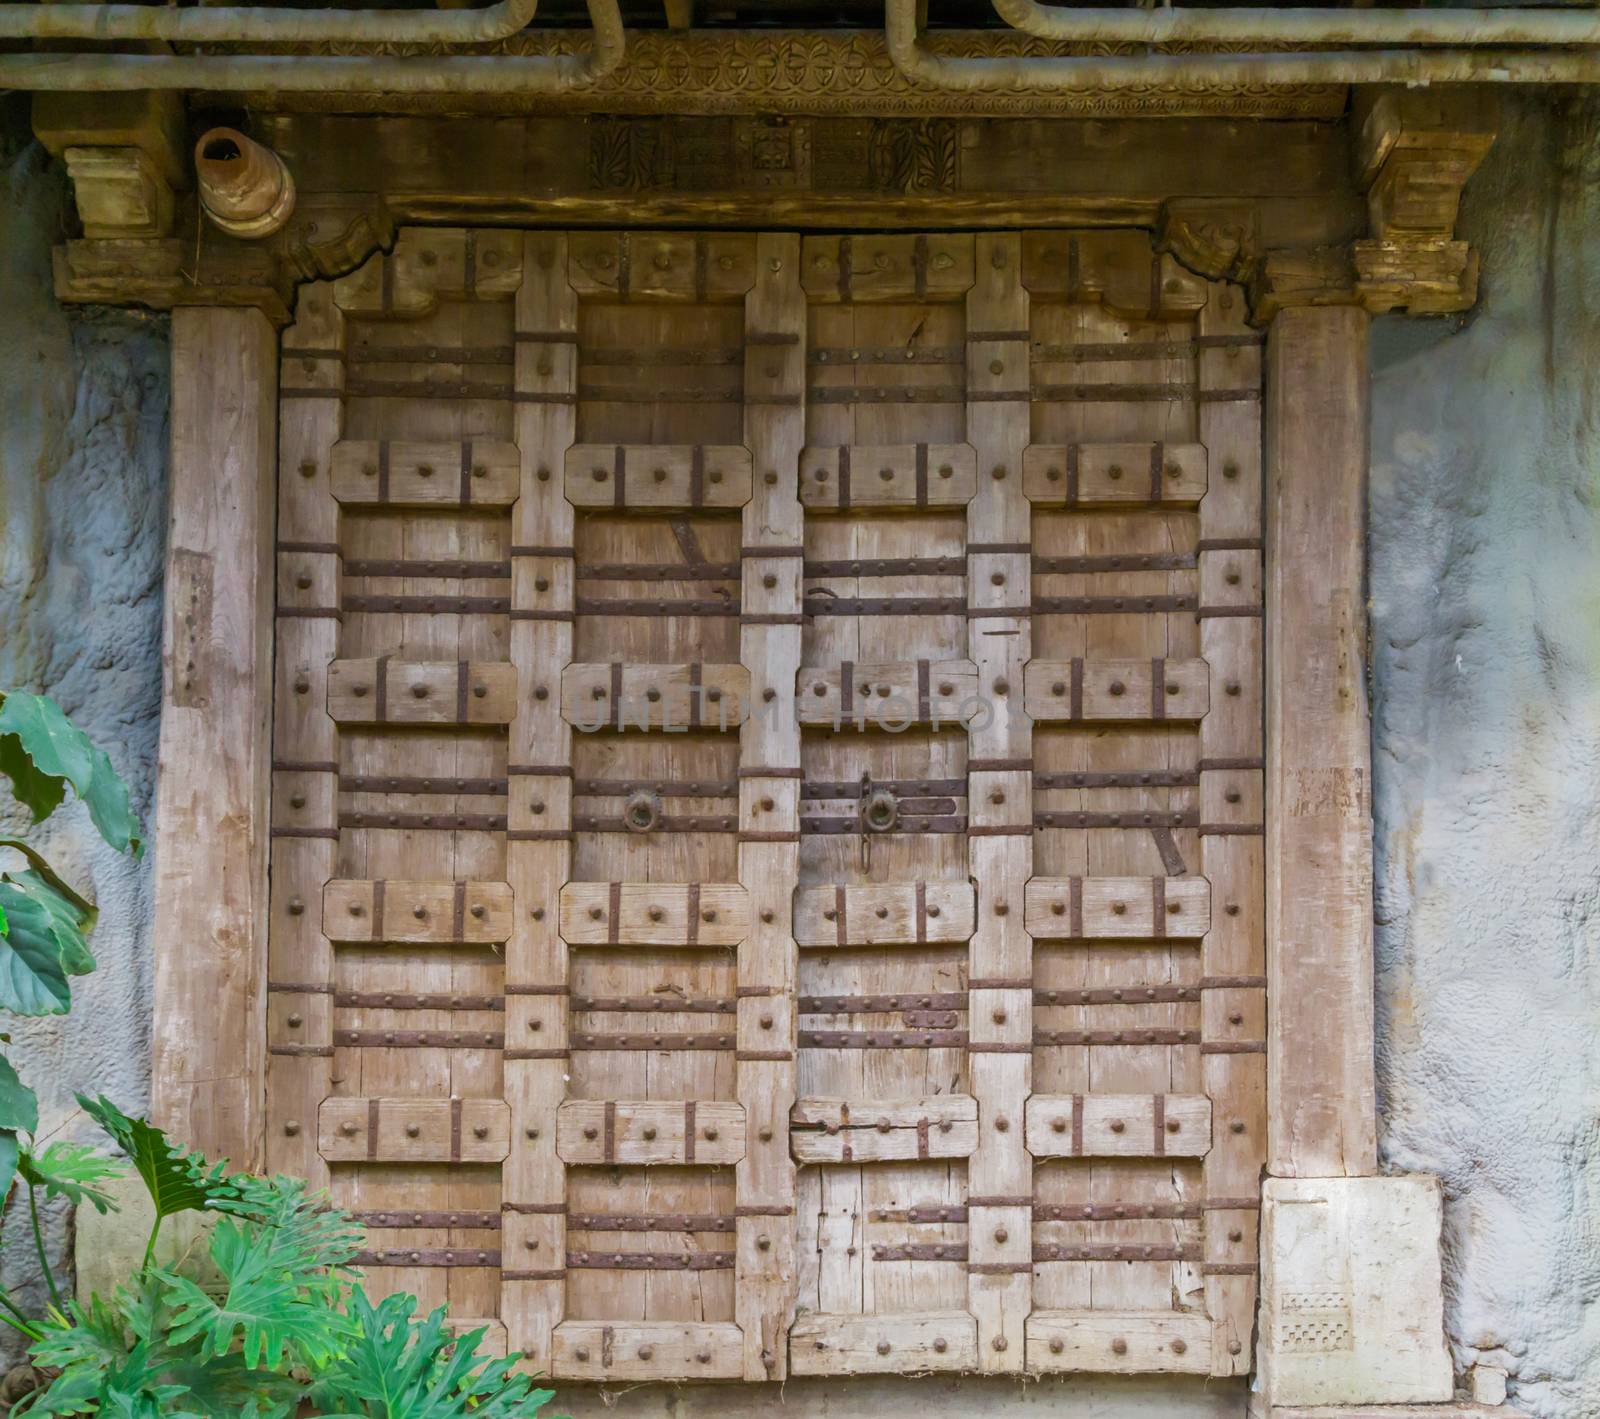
(767, 870)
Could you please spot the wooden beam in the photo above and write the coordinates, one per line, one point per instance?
(212, 792)
(1321, 1112)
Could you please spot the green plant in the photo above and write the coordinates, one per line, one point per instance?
(287, 1326)
(44, 927)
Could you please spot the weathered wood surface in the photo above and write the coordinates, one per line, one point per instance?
(1321, 1109)
(212, 791)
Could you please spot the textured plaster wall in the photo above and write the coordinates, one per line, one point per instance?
(1485, 586)
(83, 428)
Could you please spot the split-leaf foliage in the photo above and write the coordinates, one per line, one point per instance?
(278, 1324)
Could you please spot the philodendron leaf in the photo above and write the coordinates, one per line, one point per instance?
(19, 1106)
(42, 751)
(73, 1171)
(176, 1179)
(43, 940)
(10, 1151)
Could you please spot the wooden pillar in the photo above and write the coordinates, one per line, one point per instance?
(1320, 1089)
(212, 793)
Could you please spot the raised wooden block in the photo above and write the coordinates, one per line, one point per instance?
(1114, 474)
(883, 1130)
(658, 477)
(647, 1350)
(435, 913)
(677, 698)
(1116, 269)
(896, 475)
(441, 692)
(1151, 690)
(1118, 1126)
(357, 1130)
(888, 693)
(885, 268)
(1112, 908)
(654, 913)
(663, 266)
(1119, 1342)
(883, 1344)
(648, 1133)
(904, 914)
(482, 473)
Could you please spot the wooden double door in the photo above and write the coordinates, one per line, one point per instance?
(767, 862)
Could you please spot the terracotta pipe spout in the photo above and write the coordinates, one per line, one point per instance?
(246, 189)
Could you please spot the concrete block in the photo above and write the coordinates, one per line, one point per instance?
(1352, 1310)
(110, 1249)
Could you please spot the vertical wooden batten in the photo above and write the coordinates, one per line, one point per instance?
(211, 825)
(1321, 1109)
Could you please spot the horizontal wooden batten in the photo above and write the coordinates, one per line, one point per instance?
(1113, 908)
(662, 266)
(903, 475)
(822, 1344)
(895, 693)
(428, 1256)
(647, 1350)
(650, 1260)
(1118, 1125)
(470, 473)
(878, 1004)
(695, 696)
(1115, 474)
(371, 1130)
(883, 1130)
(648, 1133)
(906, 914)
(658, 477)
(1151, 690)
(1119, 1342)
(886, 268)
(383, 690)
(436, 913)
(654, 914)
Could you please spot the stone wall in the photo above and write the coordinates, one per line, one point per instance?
(1485, 561)
(83, 442)
(1485, 584)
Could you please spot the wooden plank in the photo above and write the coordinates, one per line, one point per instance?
(647, 1350)
(378, 690)
(1115, 474)
(354, 1130)
(212, 791)
(902, 475)
(1233, 949)
(635, 1133)
(676, 698)
(883, 1344)
(1119, 1125)
(1119, 1342)
(658, 477)
(874, 1143)
(1117, 908)
(901, 914)
(1116, 690)
(478, 473)
(1321, 1105)
(654, 913)
(768, 961)
(886, 694)
(299, 1067)
(428, 263)
(440, 913)
(533, 1293)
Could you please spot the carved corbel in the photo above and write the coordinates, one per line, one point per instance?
(1414, 151)
(1215, 238)
(125, 156)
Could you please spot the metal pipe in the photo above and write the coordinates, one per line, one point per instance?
(200, 24)
(363, 74)
(1307, 26)
(1045, 74)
